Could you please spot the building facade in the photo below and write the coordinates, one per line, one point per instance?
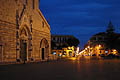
(104, 43)
(61, 40)
(24, 32)
(60, 46)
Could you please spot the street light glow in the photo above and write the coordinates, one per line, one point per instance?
(99, 46)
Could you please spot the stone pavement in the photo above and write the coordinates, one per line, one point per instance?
(63, 70)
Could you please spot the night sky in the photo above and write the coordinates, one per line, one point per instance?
(81, 18)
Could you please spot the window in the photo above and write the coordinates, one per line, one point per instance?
(100, 38)
(33, 4)
(17, 34)
(43, 24)
(26, 1)
(0, 53)
(61, 39)
(56, 39)
(53, 38)
(0, 38)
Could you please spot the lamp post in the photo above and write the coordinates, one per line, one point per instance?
(99, 47)
(89, 50)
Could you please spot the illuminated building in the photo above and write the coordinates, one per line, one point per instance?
(105, 42)
(69, 52)
(61, 47)
(24, 32)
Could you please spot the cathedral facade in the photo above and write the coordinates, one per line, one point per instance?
(24, 32)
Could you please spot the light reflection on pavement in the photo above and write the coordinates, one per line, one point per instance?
(82, 69)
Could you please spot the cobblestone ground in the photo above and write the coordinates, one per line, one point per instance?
(83, 69)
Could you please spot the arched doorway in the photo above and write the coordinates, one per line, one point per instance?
(23, 50)
(1, 49)
(24, 43)
(44, 46)
(1, 53)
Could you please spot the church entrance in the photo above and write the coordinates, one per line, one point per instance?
(24, 44)
(23, 50)
(43, 53)
(1, 52)
(44, 47)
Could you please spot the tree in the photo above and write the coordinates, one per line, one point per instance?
(110, 28)
(53, 44)
(73, 42)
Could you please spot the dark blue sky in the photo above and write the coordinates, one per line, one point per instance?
(81, 18)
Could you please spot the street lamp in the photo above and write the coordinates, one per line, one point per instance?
(99, 45)
(114, 51)
(89, 50)
(88, 46)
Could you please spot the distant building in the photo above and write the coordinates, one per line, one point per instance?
(60, 45)
(60, 41)
(104, 42)
(98, 43)
(24, 32)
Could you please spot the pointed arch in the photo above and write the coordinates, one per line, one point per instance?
(25, 29)
(25, 42)
(44, 48)
(45, 42)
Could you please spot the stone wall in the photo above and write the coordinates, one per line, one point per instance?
(8, 28)
(8, 40)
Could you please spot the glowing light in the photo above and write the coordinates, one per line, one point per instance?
(77, 50)
(99, 46)
(69, 47)
(54, 53)
(114, 51)
(88, 46)
(91, 48)
(81, 52)
(106, 51)
(73, 58)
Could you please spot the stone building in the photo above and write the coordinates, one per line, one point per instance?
(24, 32)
